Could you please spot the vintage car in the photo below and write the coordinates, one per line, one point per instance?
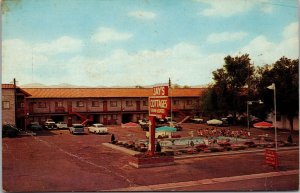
(144, 123)
(50, 124)
(61, 125)
(76, 129)
(98, 128)
(35, 126)
(215, 122)
(197, 120)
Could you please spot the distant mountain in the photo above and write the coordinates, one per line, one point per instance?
(65, 85)
(62, 85)
(32, 85)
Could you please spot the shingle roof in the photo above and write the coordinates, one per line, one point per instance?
(7, 86)
(11, 86)
(107, 92)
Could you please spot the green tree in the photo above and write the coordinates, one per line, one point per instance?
(285, 74)
(176, 86)
(230, 83)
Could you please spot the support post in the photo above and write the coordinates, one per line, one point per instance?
(276, 147)
(248, 124)
(152, 135)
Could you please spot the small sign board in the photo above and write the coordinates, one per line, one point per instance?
(159, 106)
(271, 157)
(160, 91)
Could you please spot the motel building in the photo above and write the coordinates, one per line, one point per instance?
(13, 105)
(21, 106)
(102, 105)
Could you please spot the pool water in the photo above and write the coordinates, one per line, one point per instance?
(196, 141)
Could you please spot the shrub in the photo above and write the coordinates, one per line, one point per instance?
(9, 131)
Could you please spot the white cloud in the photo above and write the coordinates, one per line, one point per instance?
(31, 62)
(226, 36)
(61, 45)
(263, 51)
(185, 63)
(229, 8)
(105, 35)
(18, 59)
(291, 30)
(145, 15)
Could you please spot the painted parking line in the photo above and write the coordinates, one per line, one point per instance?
(158, 187)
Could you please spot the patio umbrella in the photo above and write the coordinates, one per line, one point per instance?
(166, 128)
(263, 125)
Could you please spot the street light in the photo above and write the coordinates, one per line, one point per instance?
(250, 103)
(272, 87)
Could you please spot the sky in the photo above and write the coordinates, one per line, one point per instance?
(140, 42)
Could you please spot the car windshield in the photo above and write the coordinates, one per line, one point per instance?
(62, 123)
(98, 125)
(78, 126)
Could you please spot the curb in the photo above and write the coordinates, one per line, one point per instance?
(230, 153)
(211, 181)
(132, 152)
(122, 149)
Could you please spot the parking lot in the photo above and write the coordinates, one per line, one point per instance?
(55, 160)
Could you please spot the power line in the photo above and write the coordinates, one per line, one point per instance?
(282, 5)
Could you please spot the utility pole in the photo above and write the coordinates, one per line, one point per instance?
(15, 101)
(170, 98)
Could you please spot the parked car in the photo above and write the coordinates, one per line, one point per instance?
(10, 131)
(50, 124)
(197, 120)
(76, 129)
(214, 122)
(35, 126)
(225, 122)
(98, 128)
(144, 123)
(61, 125)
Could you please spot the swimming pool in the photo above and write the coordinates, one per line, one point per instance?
(196, 140)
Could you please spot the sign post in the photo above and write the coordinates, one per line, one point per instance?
(271, 157)
(159, 105)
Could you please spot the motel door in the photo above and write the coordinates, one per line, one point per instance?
(105, 120)
(69, 106)
(138, 105)
(104, 105)
(31, 107)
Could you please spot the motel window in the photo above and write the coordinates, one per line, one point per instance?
(79, 104)
(59, 104)
(42, 105)
(5, 104)
(189, 102)
(95, 103)
(129, 103)
(145, 103)
(113, 103)
(20, 105)
(114, 117)
(175, 102)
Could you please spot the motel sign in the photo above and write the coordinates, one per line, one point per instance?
(159, 103)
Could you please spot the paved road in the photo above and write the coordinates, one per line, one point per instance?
(58, 161)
